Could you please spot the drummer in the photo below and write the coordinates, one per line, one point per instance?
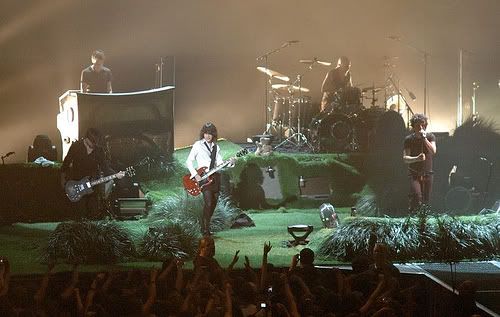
(336, 80)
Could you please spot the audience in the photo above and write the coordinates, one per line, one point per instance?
(372, 289)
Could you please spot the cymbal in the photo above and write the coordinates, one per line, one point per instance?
(289, 88)
(314, 61)
(273, 73)
(375, 89)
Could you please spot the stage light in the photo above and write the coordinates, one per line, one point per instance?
(299, 240)
(328, 216)
(270, 171)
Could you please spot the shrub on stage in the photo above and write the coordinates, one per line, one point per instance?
(436, 238)
(89, 242)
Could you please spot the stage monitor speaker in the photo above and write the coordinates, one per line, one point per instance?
(315, 187)
(129, 208)
(496, 206)
(495, 209)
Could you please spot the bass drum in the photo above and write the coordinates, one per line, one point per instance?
(398, 104)
(350, 100)
(332, 132)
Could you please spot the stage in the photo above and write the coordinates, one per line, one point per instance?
(293, 192)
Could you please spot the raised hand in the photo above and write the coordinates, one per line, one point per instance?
(179, 263)
(247, 263)
(235, 258)
(267, 247)
(153, 274)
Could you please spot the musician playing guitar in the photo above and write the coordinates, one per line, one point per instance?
(86, 158)
(206, 153)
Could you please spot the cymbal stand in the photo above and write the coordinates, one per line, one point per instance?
(267, 106)
(409, 111)
(298, 136)
(374, 100)
(425, 56)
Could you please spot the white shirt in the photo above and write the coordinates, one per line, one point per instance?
(201, 155)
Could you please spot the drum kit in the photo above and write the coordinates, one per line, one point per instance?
(291, 110)
(345, 125)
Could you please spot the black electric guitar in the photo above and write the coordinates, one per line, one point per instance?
(194, 187)
(75, 190)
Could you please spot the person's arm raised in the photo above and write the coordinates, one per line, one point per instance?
(292, 304)
(68, 291)
(228, 291)
(179, 277)
(146, 307)
(163, 275)
(42, 290)
(234, 261)
(89, 299)
(251, 275)
(263, 269)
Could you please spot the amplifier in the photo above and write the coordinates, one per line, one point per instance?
(315, 187)
(131, 207)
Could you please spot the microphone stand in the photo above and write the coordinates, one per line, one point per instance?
(400, 96)
(425, 56)
(6, 156)
(265, 57)
(490, 173)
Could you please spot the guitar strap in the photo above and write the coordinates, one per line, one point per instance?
(213, 153)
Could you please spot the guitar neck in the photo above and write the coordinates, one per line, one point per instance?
(216, 169)
(104, 179)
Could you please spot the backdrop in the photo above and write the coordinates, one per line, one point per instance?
(45, 44)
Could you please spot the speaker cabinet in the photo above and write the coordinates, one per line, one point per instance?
(129, 208)
(315, 187)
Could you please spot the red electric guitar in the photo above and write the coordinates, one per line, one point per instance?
(194, 187)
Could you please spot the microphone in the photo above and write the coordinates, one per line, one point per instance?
(288, 43)
(412, 95)
(394, 37)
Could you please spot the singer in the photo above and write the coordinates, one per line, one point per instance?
(419, 150)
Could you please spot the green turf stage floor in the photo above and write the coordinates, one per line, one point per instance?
(21, 243)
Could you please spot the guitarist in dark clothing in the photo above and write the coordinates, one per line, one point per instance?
(86, 157)
(206, 153)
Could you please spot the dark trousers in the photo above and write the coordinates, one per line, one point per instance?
(420, 191)
(88, 206)
(210, 198)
